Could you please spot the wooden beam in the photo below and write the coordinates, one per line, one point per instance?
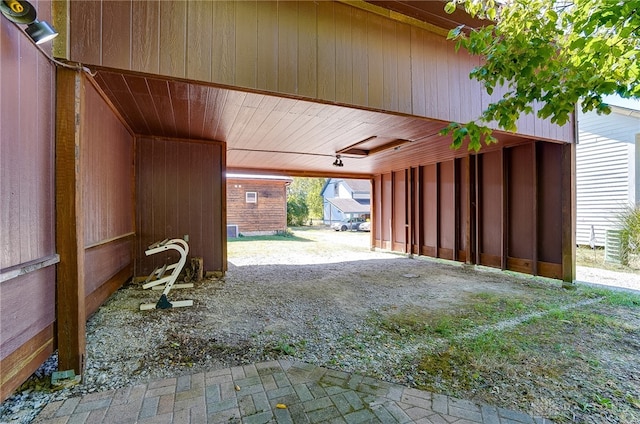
(408, 211)
(478, 214)
(372, 214)
(534, 235)
(456, 209)
(70, 289)
(504, 209)
(568, 214)
(223, 221)
(469, 210)
(416, 220)
(437, 185)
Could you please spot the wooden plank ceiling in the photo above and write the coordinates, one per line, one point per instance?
(267, 133)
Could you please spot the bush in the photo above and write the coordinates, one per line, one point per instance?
(297, 211)
(630, 233)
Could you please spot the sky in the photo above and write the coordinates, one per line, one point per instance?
(626, 103)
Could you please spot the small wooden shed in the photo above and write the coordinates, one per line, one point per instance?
(256, 204)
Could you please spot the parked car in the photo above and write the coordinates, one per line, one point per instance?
(348, 224)
(365, 226)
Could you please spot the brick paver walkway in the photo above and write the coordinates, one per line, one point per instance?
(274, 392)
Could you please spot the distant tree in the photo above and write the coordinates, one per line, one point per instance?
(314, 197)
(556, 52)
(297, 211)
(304, 199)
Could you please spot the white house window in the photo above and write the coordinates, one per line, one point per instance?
(251, 197)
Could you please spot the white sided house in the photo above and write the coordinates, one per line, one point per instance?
(607, 170)
(344, 198)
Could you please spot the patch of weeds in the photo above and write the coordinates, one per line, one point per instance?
(415, 322)
(632, 400)
(494, 305)
(281, 347)
(614, 297)
(603, 401)
(285, 347)
(442, 366)
(406, 322)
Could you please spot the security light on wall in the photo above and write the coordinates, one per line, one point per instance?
(22, 12)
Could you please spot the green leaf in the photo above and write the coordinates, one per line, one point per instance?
(450, 7)
(552, 56)
(491, 13)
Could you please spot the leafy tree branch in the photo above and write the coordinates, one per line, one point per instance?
(556, 54)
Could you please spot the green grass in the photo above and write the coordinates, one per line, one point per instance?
(282, 236)
(561, 348)
(594, 258)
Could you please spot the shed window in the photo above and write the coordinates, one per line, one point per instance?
(251, 197)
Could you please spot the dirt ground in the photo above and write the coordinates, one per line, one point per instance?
(321, 296)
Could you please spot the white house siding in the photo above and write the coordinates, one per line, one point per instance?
(606, 178)
(359, 190)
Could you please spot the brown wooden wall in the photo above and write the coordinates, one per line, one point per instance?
(107, 164)
(331, 51)
(503, 208)
(27, 238)
(94, 207)
(180, 191)
(269, 214)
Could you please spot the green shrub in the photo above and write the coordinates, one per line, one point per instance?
(630, 233)
(297, 211)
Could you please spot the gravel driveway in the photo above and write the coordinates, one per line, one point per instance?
(298, 296)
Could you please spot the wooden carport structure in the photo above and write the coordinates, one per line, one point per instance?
(156, 100)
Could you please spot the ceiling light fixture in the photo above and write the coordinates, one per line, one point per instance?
(22, 12)
(338, 162)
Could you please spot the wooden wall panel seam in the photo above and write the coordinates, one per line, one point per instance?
(28, 267)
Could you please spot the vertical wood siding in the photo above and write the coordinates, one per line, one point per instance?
(107, 179)
(27, 302)
(446, 210)
(327, 51)
(490, 208)
(606, 171)
(512, 195)
(429, 203)
(22, 320)
(267, 215)
(107, 174)
(180, 187)
(463, 192)
(520, 205)
(399, 211)
(550, 195)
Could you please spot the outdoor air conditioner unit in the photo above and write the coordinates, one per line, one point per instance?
(232, 231)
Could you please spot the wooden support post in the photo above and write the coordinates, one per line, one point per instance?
(504, 209)
(478, 214)
(70, 290)
(456, 209)
(469, 212)
(568, 214)
(372, 215)
(438, 189)
(408, 212)
(534, 235)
